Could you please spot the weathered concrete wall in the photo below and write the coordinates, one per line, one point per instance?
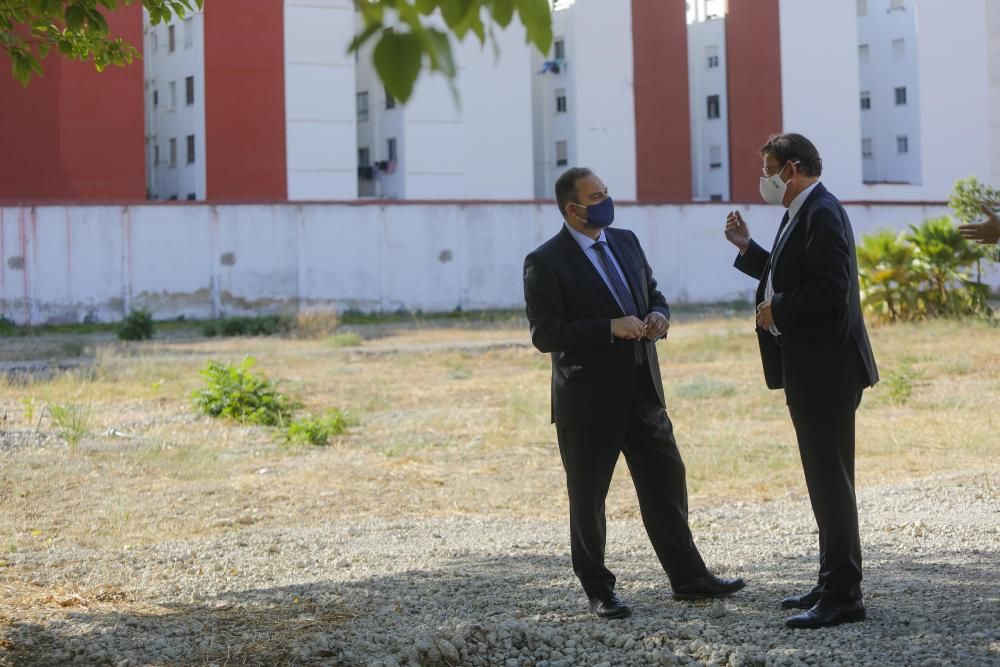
(68, 263)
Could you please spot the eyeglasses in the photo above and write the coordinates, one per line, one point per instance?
(772, 169)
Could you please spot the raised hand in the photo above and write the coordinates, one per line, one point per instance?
(737, 231)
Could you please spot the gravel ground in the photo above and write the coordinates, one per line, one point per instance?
(489, 591)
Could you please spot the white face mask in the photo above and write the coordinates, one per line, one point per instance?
(772, 189)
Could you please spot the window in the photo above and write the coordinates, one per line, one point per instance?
(172, 87)
(156, 98)
(390, 101)
(863, 53)
(900, 96)
(191, 196)
(902, 144)
(896, 4)
(190, 149)
(898, 49)
(714, 197)
(364, 157)
(188, 33)
(171, 39)
(173, 154)
(189, 90)
(559, 49)
(713, 106)
(862, 7)
(391, 147)
(155, 44)
(362, 107)
(156, 154)
(561, 100)
(562, 154)
(866, 148)
(866, 100)
(712, 53)
(715, 157)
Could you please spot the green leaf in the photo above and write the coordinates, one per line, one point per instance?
(426, 7)
(457, 14)
(537, 20)
(75, 17)
(503, 12)
(439, 50)
(397, 60)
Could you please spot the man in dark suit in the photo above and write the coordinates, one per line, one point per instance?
(814, 345)
(592, 303)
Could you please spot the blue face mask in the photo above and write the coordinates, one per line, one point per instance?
(599, 215)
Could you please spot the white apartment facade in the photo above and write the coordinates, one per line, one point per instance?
(709, 105)
(583, 104)
(472, 141)
(175, 108)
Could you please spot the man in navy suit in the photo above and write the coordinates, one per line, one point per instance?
(814, 345)
(593, 304)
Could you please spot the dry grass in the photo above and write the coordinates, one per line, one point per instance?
(443, 431)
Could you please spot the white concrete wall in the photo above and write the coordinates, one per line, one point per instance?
(993, 60)
(819, 85)
(320, 118)
(62, 264)
(602, 63)
(705, 132)
(179, 120)
(880, 76)
(955, 105)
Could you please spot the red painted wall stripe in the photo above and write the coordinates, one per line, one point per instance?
(662, 111)
(245, 100)
(75, 134)
(753, 69)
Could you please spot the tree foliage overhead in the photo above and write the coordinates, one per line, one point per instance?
(77, 29)
(409, 37)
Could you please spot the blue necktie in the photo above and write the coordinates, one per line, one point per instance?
(623, 292)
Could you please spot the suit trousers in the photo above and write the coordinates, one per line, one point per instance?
(825, 433)
(589, 456)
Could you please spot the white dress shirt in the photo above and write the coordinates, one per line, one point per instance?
(793, 210)
(587, 245)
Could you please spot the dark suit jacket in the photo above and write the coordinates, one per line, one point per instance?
(823, 352)
(570, 309)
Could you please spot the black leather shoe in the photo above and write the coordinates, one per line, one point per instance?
(709, 586)
(824, 614)
(610, 607)
(806, 601)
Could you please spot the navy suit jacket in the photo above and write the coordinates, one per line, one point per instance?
(570, 308)
(823, 352)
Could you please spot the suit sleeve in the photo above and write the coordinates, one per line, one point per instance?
(545, 307)
(657, 302)
(753, 261)
(828, 274)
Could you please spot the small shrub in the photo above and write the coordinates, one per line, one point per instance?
(900, 383)
(29, 406)
(71, 421)
(346, 339)
(137, 325)
(7, 325)
(235, 392)
(316, 323)
(267, 325)
(887, 282)
(318, 430)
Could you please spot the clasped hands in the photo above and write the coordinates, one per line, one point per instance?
(632, 328)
